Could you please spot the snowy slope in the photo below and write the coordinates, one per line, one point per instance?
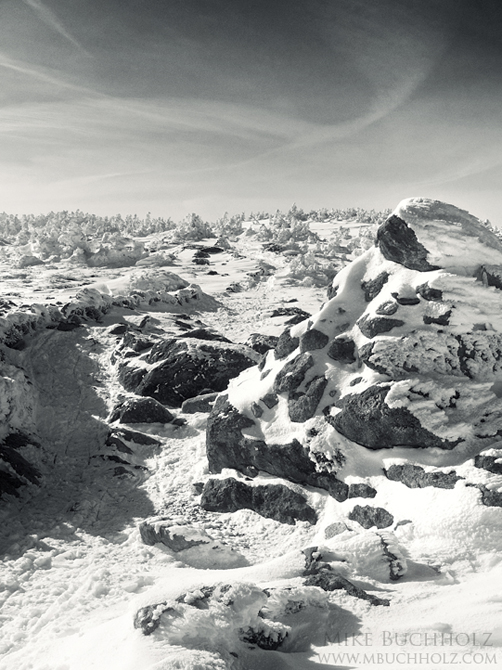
(75, 569)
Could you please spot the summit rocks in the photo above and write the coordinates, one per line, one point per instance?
(404, 360)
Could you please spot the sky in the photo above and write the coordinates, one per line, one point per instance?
(207, 106)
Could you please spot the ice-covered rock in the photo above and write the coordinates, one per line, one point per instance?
(403, 361)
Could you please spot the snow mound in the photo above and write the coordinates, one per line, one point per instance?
(452, 237)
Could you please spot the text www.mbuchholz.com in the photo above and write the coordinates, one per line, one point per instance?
(408, 658)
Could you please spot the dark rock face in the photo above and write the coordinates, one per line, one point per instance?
(321, 574)
(225, 443)
(227, 447)
(398, 243)
(135, 342)
(342, 349)
(201, 403)
(368, 516)
(22, 468)
(130, 377)
(313, 339)
(141, 410)
(273, 501)
(15, 470)
(285, 345)
(396, 567)
(302, 406)
(372, 287)
(332, 291)
(367, 420)
(9, 484)
(17, 440)
(370, 327)
(261, 343)
(185, 368)
(415, 477)
(257, 410)
(293, 373)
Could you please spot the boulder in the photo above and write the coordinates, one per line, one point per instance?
(141, 410)
(368, 516)
(180, 368)
(273, 501)
(414, 477)
(313, 339)
(201, 403)
(190, 544)
(205, 334)
(28, 260)
(365, 418)
(399, 243)
(321, 574)
(285, 344)
(262, 343)
(302, 406)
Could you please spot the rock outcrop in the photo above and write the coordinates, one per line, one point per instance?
(180, 368)
(404, 361)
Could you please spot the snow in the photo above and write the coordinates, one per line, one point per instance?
(75, 571)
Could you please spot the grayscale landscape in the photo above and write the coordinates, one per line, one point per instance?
(250, 335)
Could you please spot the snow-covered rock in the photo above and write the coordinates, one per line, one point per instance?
(404, 360)
(193, 546)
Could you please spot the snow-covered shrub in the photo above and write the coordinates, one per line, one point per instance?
(309, 266)
(228, 226)
(350, 214)
(192, 229)
(285, 230)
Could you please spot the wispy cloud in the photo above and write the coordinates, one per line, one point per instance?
(470, 168)
(42, 75)
(50, 19)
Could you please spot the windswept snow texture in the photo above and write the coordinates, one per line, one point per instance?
(332, 483)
